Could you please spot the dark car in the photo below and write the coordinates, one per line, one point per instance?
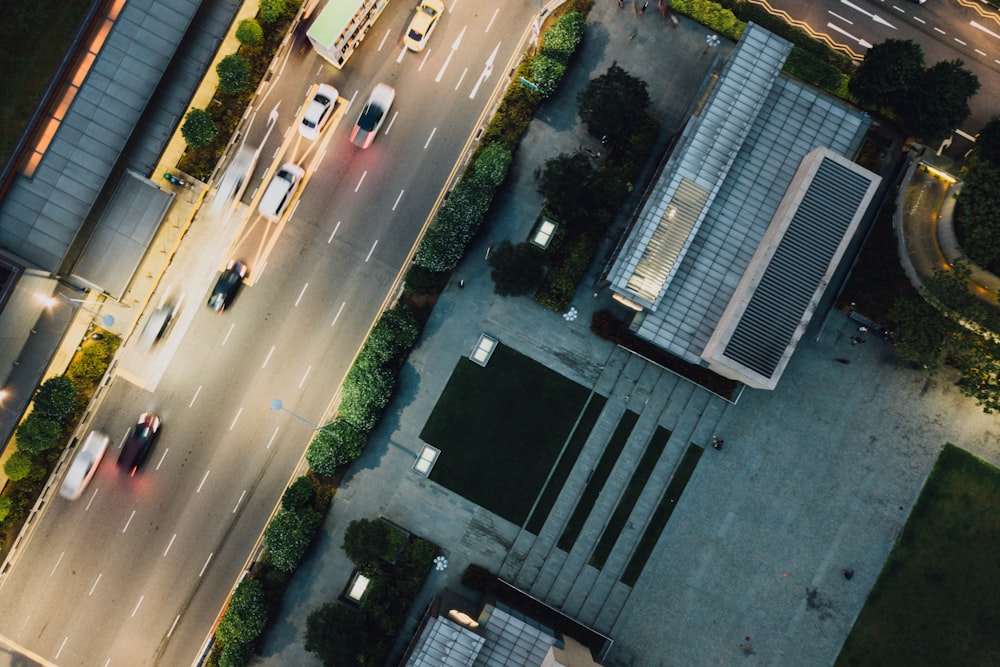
(373, 115)
(139, 442)
(227, 286)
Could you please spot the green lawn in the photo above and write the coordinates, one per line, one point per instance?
(935, 602)
(500, 429)
(34, 36)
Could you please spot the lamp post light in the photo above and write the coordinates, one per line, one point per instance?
(107, 320)
(711, 41)
(277, 406)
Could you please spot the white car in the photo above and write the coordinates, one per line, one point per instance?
(318, 111)
(423, 24)
(279, 190)
(373, 115)
(84, 465)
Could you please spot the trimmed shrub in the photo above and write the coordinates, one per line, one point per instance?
(337, 444)
(6, 507)
(815, 70)
(249, 33)
(19, 466)
(560, 41)
(288, 536)
(245, 616)
(394, 333)
(546, 73)
(199, 129)
(491, 165)
(234, 74)
(424, 282)
(235, 654)
(366, 391)
(56, 398)
(37, 434)
(271, 11)
(299, 494)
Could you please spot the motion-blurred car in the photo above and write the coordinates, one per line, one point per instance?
(157, 324)
(84, 465)
(423, 24)
(139, 442)
(279, 191)
(318, 111)
(228, 285)
(373, 115)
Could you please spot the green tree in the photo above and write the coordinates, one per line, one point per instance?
(37, 434)
(922, 330)
(6, 507)
(612, 103)
(246, 614)
(939, 101)
(337, 444)
(56, 398)
(234, 74)
(299, 494)
(888, 73)
(288, 536)
(978, 212)
(516, 269)
(977, 358)
(199, 129)
(335, 634)
(249, 33)
(566, 184)
(366, 542)
(271, 11)
(19, 466)
(988, 142)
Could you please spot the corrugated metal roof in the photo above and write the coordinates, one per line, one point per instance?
(794, 274)
(41, 216)
(445, 643)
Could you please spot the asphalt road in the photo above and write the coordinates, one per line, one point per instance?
(945, 30)
(136, 571)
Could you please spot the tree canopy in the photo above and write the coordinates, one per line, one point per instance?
(517, 269)
(888, 73)
(939, 101)
(613, 103)
(366, 542)
(335, 633)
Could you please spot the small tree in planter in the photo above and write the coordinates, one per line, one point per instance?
(56, 398)
(37, 434)
(271, 11)
(249, 33)
(234, 74)
(199, 129)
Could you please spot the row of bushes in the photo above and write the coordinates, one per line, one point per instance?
(43, 435)
(287, 539)
(207, 131)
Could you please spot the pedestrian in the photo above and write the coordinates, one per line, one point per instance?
(461, 284)
(842, 361)
(644, 5)
(621, 4)
(717, 442)
(863, 329)
(538, 173)
(597, 155)
(604, 140)
(848, 573)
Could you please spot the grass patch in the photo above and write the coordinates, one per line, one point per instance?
(35, 35)
(935, 601)
(597, 478)
(500, 429)
(662, 514)
(628, 500)
(565, 464)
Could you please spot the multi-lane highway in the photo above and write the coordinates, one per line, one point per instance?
(136, 571)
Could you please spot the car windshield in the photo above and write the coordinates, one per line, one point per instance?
(370, 116)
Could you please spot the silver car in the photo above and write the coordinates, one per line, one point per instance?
(84, 465)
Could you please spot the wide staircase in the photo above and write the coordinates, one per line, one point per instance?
(664, 405)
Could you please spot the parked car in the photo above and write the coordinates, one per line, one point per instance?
(139, 442)
(373, 115)
(318, 111)
(227, 285)
(84, 465)
(423, 24)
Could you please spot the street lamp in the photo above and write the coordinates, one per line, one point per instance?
(107, 320)
(711, 41)
(277, 406)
